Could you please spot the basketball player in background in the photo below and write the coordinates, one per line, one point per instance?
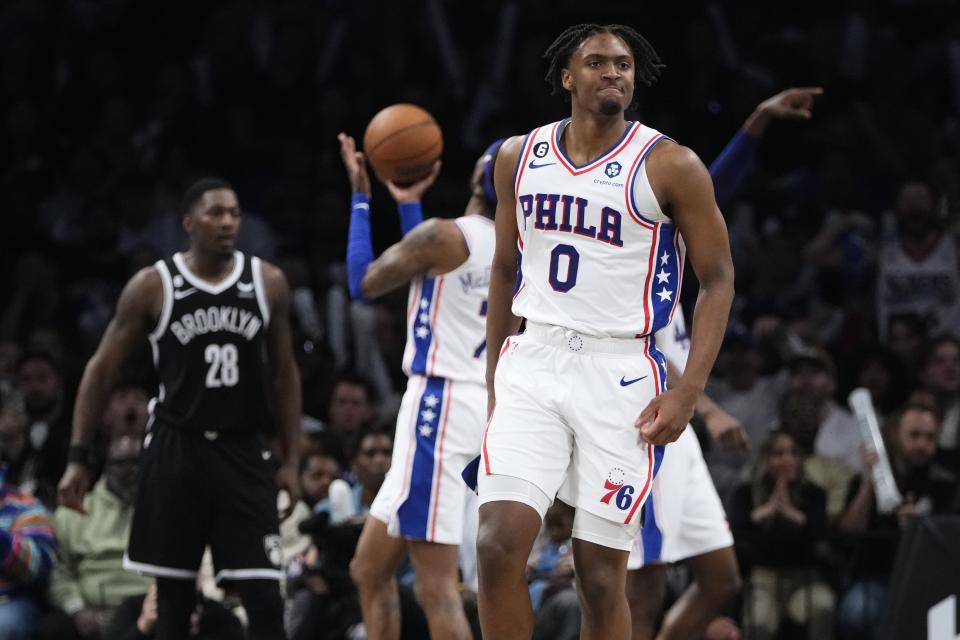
(684, 519)
(586, 201)
(218, 323)
(420, 508)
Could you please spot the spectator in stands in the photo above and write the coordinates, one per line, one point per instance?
(89, 581)
(317, 471)
(800, 417)
(838, 436)
(941, 375)
(778, 519)
(370, 462)
(27, 548)
(919, 267)
(926, 488)
(40, 380)
(136, 619)
(551, 574)
(352, 405)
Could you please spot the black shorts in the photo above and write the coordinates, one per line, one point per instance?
(198, 489)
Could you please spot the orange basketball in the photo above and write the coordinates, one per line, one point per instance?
(402, 142)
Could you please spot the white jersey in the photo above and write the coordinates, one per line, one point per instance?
(598, 256)
(928, 289)
(446, 314)
(673, 341)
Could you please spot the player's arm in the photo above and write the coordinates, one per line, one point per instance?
(284, 380)
(503, 272)
(137, 311)
(681, 181)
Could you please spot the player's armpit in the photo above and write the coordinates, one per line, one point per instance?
(433, 247)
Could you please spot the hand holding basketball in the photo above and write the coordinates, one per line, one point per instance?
(403, 143)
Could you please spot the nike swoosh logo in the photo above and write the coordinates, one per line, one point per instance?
(180, 295)
(245, 286)
(627, 383)
(533, 165)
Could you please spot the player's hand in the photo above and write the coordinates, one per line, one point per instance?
(791, 104)
(726, 430)
(667, 415)
(907, 510)
(74, 486)
(288, 480)
(147, 621)
(414, 192)
(355, 163)
(86, 624)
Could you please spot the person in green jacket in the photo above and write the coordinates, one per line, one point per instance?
(89, 581)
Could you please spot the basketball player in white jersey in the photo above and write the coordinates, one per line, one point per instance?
(420, 507)
(684, 518)
(602, 211)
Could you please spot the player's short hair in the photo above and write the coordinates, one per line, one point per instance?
(196, 190)
(648, 64)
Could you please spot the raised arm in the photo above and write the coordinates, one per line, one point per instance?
(503, 272)
(137, 312)
(683, 185)
(284, 381)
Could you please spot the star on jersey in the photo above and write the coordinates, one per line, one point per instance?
(426, 430)
(422, 332)
(424, 304)
(665, 258)
(424, 318)
(662, 277)
(665, 295)
(431, 400)
(428, 415)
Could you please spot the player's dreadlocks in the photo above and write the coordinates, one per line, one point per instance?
(647, 61)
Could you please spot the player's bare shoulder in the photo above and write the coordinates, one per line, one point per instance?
(275, 286)
(507, 157)
(142, 297)
(672, 168)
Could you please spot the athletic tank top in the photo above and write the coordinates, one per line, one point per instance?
(446, 314)
(209, 348)
(598, 255)
(928, 288)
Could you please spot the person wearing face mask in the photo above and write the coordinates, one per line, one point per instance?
(778, 518)
(919, 266)
(89, 581)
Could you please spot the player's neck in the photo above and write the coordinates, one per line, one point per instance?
(212, 267)
(476, 206)
(588, 135)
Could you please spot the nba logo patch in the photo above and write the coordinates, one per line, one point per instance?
(612, 169)
(271, 546)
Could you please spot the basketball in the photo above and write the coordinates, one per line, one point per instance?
(402, 142)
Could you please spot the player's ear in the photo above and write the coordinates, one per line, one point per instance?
(187, 222)
(566, 79)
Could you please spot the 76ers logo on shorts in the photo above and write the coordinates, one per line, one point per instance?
(614, 486)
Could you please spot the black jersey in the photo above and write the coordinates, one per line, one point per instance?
(209, 348)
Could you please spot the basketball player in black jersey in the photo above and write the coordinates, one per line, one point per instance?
(218, 324)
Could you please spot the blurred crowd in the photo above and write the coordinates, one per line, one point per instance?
(844, 237)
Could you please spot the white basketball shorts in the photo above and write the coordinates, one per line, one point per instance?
(683, 516)
(564, 419)
(439, 430)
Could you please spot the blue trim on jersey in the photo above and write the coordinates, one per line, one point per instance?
(633, 177)
(422, 344)
(650, 534)
(665, 281)
(414, 513)
(599, 158)
(516, 169)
